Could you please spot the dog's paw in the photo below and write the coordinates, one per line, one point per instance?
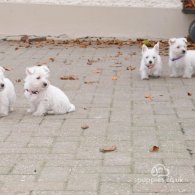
(11, 109)
(145, 78)
(187, 76)
(174, 75)
(4, 114)
(38, 114)
(29, 110)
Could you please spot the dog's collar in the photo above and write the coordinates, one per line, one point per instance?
(32, 92)
(175, 59)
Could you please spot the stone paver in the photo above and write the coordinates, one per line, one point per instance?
(54, 155)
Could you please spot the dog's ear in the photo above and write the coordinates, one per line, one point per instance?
(144, 49)
(185, 40)
(45, 68)
(29, 70)
(2, 69)
(172, 41)
(156, 47)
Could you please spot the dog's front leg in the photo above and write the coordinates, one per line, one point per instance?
(174, 72)
(144, 75)
(4, 107)
(32, 108)
(41, 109)
(188, 72)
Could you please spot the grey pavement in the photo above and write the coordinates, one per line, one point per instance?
(53, 155)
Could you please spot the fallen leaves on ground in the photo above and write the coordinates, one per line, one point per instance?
(18, 80)
(97, 71)
(146, 42)
(149, 97)
(69, 77)
(105, 149)
(131, 68)
(90, 82)
(90, 62)
(154, 149)
(119, 53)
(52, 59)
(189, 3)
(189, 94)
(7, 69)
(114, 77)
(84, 126)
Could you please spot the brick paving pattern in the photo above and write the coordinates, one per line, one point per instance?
(53, 155)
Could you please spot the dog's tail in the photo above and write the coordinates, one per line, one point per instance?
(72, 108)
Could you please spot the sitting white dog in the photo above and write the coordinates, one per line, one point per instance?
(181, 61)
(43, 96)
(7, 94)
(151, 64)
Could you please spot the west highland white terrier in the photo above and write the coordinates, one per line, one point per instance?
(181, 60)
(44, 98)
(7, 94)
(151, 64)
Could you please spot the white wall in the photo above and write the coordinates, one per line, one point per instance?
(79, 21)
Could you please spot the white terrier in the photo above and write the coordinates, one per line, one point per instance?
(7, 94)
(151, 64)
(43, 96)
(181, 61)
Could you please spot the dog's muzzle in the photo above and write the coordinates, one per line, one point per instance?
(150, 66)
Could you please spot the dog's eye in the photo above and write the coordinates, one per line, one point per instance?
(38, 78)
(154, 57)
(146, 57)
(178, 47)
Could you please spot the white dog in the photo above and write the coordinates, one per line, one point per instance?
(151, 64)
(181, 61)
(43, 96)
(7, 94)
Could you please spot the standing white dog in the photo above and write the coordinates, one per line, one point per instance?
(7, 94)
(43, 96)
(151, 64)
(181, 61)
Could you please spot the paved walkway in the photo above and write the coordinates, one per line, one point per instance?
(53, 155)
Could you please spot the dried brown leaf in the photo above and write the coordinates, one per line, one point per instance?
(189, 94)
(149, 97)
(105, 149)
(90, 62)
(7, 69)
(114, 77)
(90, 82)
(84, 126)
(69, 77)
(131, 68)
(97, 71)
(18, 80)
(154, 149)
(52, 59)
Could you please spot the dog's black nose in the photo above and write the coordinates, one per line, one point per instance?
(184, 51)
(44, 84)
(150, 62)
(2, 85)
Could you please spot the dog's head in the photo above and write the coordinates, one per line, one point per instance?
(2, 82)
(150, 56)
(178, 46)
(37, 77)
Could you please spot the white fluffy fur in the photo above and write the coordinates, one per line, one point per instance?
(7, 94)
(184, 65)
(43, 96)
(151, 64)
